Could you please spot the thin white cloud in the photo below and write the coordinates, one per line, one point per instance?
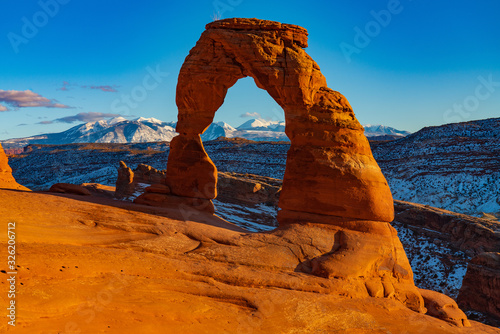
(105, 88)
(251, 115)
(3, 108)
(27, 99)
(82, 117)
(65, 86)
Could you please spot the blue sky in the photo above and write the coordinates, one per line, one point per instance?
(405, 64)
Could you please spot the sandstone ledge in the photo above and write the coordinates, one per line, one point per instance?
(138, 272)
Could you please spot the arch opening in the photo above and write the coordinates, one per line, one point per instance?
(245, 101)
(249, 201)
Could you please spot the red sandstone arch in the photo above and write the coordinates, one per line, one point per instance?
(330, 168)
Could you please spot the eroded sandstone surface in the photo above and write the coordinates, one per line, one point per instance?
(117, 267)
(335, 264)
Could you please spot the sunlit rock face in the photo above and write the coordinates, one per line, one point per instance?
(7, 181)
(330, 168)
(332, 183)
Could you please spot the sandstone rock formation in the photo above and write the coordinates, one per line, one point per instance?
(7, 181)
(330, 168)
(335, 203)
(100, 190)
(125, 182)
(149, 175)
(247, 188)
(443, 307)
(481, 285)
(231, 187)
(116, 267)
(67, 188)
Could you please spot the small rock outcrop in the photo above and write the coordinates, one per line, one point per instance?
(125, 182)
(99, 190)
(67, 188)
(7, 181)
(481, 285)
(231, 187)
(148, 175)
(246, 188)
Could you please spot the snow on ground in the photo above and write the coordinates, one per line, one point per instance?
(435, 266)
(255, 218)
(139, 190)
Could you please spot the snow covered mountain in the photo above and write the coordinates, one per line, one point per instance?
(140, 130)
(116, 130)
(382, 130)
(262, 125)
(254, 129)
(218, 129)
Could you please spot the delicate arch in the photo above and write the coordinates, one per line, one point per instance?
(330, 168)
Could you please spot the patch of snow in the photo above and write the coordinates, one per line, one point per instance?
(149, 120)
(139, 190)
(245, 216)
(490, 207)
(435, 266)
(116, 120)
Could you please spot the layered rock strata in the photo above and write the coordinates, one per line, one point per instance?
(67, 188)
(470, 234)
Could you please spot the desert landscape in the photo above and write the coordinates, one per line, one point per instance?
(314, 224)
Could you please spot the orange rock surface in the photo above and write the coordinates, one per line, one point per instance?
(443, 307)
(190, 172)
(335, 202)
(96, 265)
(330, 168)
(7, 181)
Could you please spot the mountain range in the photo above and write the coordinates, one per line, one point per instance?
(453, 166)
(141, 130)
